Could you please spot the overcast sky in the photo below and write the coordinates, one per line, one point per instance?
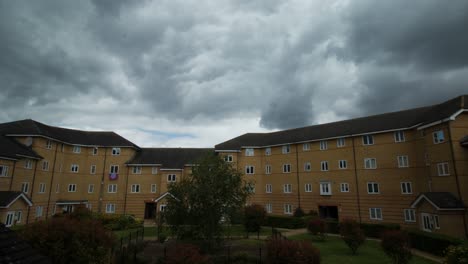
(196, 73)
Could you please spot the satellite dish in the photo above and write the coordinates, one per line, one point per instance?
(29, 141)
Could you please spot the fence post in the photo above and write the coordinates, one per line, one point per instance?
(260, 253)
(229, 254)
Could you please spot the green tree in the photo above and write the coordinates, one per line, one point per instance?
(202, 200)
(254, 217)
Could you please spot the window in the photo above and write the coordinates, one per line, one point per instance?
(162, 207)
(344, 187)
(136, 170)
(110, 208)
(410, 215)
(72, 187)
(324, 165)
(368, 140)
(28, 164)
(135, 188)
(249, 152)
(268, 151)
(114, 168)
(25, 187)
(308, 187)
(269, 208)
(325, 188)
(399, 136)
(438, 137)
(171, 178)
(228, 158)
(251, 188)
(342, 164)
(95, 151)
(268, 188)
(76, 149)
(403, 161)
(153, 188)
(287, 188)
(74, 168)
(286, 168)
(42, 187)
(115, 151)
(112, 188)
(63, 148)
(249, 169)
(406, 188)
(307, 166)
(48, 144)
(57, 188)
(9, 219)
(18, 216)
(443, 169)
(373, 188)
(429, 222)
(435, 219)
(375, 213)
(92, 170)
(306, 146)
(90, 188)
(154, 170)
(340, 142)
(323, 145)
(370, 163)
(267, 169)
(286, 149)
(45, 165)
(3, 171)
(39, 211)
(287, 209)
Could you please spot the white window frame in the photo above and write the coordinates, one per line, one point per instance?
(75, 168)
(342, 164)
(267, 151)
(429, 222)
(110, 208)
(367, 140)
(287, 209)
(57, 188)
(323, 145)
(162, 207)
(229, 158)
(42, 187)
(72, 187)
(45, 165)
(39, 211)
(443, 169)
(269, 208)
(306, 146)
(90, 188)
(249, 152)
(92, 169)
(375, 213)
(403, 161)
(399, 136)
(373, 188)
(307, 166)
(249, 169)
(154, 188)
(76, 149)
(438, 137)
(409, 215)
(287, 168)
(171, 178)
(95, 151)
(308, 187)
(48, 144)
(136, 169)
(406, 188)
(325, 188)
(135, 188)
(112, 188)
(116, 151)
(287, 188)
(18, 216)
(10, 219)
(114, 169)
(340, 142)
(324, 165)
(154, 170)
(344, 187)
(25, 187)
(268, 169)
(268, 188)
(28, 164)
(286, 149)
(370, 163)
(3, 171)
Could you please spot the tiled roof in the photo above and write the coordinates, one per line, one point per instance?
(71, 136)
(7, 197)
(376, 123)
(169, 158)
(12, 149)
(441, 200)
(13, 250)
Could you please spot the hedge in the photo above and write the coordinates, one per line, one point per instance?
(286, 222)
(432, 243)
(333, 227)
(376, 230)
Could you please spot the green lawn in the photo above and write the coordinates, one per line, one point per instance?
(334, 250)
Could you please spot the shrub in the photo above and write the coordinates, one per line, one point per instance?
(298, 212)
(352, 234)
(333, 227)
(285, 222)
(395, 244)
(432, 243)
(317, 228)
(185, 253)
(287, 251)
(456, 255)
(254, 217)
(376, 230)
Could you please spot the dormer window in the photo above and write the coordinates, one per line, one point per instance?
(115, 151)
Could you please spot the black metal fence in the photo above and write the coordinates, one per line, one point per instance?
(126, 248)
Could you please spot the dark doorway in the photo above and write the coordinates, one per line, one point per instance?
(150, 210)
(328, 212)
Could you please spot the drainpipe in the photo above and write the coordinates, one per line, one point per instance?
(357, 182)
(297, 176)
(12, 174)
(32, 191)
(101, 189)
(51, 180)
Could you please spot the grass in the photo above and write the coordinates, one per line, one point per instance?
(334, 250)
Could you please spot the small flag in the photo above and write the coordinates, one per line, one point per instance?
(113, 176)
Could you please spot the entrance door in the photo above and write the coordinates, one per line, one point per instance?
(150, 210)
(328, 212)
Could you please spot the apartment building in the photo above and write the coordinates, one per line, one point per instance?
(46, 170)
(408, 167)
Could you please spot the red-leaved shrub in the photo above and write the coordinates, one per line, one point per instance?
(281, 251)
(318, 228)
(185, 254)
(395, 244)
(352, 234)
